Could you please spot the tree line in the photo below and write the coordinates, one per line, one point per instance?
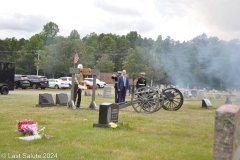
(204, 62)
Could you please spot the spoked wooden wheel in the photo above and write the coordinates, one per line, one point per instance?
(145, 99)
(173, 99)
(161, 99)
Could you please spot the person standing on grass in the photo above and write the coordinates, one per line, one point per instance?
(141, 82)
(78, 82)
(115, 78)
(123, 86)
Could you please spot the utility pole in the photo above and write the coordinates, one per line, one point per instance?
(38, 51)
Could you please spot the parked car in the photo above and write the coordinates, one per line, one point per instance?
(57, 83)
(100, 84)
(21, 81)
(38, 81)
(89, 84)
(68, 80)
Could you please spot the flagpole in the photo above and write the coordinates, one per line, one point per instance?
(73, 79)
(74, 60)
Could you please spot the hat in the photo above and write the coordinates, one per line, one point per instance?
(142, 73)
(119, 72)
(80, 66)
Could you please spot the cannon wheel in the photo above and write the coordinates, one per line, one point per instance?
(145, 99)
(161, 99)
(173, 99)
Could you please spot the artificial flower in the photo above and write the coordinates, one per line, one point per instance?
(113, 125)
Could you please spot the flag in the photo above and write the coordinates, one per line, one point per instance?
(76, 58)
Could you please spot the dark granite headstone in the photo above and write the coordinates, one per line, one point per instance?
(61, 99)
(45, 100)
(108, 112)
(113, 113)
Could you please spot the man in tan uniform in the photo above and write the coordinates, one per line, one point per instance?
(78, 83)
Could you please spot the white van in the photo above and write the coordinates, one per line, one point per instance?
(68, 80)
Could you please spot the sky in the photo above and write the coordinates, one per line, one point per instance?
(182, 20)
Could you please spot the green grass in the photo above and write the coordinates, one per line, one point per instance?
(168, 135)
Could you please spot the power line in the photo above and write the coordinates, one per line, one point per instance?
(19, 51)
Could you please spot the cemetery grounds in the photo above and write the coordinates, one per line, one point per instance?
(184, 134)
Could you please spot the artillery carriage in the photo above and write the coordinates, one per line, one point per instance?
(150, 99)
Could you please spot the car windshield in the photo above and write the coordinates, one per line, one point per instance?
(43, 78)
(66, 79)
(22, 78)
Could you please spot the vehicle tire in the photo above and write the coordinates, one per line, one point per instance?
(34, 86)
(24, 88)
(56, 87)
(42, 87)
(98, 86)
(70, 86)
(4, 90)
(16, 85)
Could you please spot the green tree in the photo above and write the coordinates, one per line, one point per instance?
(49, 32)
(92, 41)
(158, 46)
(103, 66)
(27, 62)
(74, 35)
(60, 56)
(134, 38)
(147, 43)
(133, 64)
(108, 45)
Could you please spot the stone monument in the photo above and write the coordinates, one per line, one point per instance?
(227, 133)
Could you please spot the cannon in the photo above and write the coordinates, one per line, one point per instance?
(150, 99)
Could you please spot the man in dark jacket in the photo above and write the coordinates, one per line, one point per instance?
(141, 82)
(115, 78)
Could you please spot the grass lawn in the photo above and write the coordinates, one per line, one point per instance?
(186, 134)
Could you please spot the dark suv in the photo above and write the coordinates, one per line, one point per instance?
(21, 81)
(38, 81)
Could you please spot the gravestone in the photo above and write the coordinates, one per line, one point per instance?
(45, 100)
(206, 103)
(227, 133)
(108, 112)
(87, 93)
(228, 100)
(185, 93)
(201, 95)
(61, 99)
(194, 93)
(107, 92)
